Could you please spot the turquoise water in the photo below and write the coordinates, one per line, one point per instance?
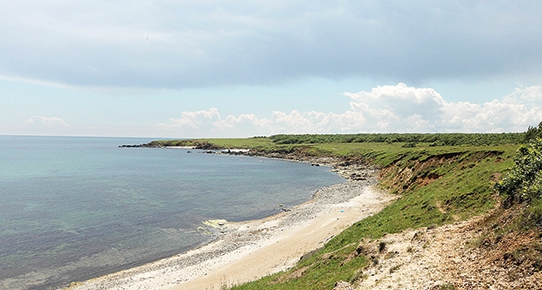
(73, 208)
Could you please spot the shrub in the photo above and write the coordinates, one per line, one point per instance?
(523, 184)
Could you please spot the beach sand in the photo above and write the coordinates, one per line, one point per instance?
(249, 250)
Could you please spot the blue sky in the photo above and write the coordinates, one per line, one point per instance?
(183, 69)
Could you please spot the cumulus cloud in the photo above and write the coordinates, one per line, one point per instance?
(179, 44)
(408, 109)
(392, 108)
(533, 93)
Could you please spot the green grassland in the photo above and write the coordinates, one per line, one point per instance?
(439, 179)
(463, 188)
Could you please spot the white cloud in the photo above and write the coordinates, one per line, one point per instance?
(46, 126)
(48, 122)
(390, 106)
(533, 93)
(197, 122)
(408, 109)
(396, 108)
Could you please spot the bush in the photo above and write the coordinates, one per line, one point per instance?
(409, 145)
(523, 184)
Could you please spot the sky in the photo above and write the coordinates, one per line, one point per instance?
(190, 69)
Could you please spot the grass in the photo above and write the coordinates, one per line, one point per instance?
(436, 185)
(242, 142)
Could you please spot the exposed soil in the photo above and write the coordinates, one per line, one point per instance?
(447, 257)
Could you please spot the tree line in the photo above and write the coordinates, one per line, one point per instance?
(431, 139)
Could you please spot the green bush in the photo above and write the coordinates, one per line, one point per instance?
(523, 184)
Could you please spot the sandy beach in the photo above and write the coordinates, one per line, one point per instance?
(249, 250)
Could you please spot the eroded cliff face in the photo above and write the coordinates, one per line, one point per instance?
(403, 176)
(406, 174)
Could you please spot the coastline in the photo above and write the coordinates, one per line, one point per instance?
(249, 250)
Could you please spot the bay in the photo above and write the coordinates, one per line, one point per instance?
(74, 208)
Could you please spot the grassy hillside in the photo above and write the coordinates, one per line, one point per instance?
(437, 184)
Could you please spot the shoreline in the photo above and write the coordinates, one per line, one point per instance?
(268, 245)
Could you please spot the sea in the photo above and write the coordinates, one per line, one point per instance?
(75, 208)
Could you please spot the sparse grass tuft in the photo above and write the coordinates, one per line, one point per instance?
(447, 287)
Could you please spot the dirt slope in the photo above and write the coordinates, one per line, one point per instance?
(448, 257)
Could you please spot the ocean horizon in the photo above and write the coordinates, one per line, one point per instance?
(74, 208)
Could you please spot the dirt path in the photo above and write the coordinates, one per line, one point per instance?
(438, 258)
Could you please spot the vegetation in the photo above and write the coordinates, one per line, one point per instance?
(437, 186)
(512, 232)
(440, 178)
(406, 140)
(524, 183)
(451, 139)
(521, 189)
